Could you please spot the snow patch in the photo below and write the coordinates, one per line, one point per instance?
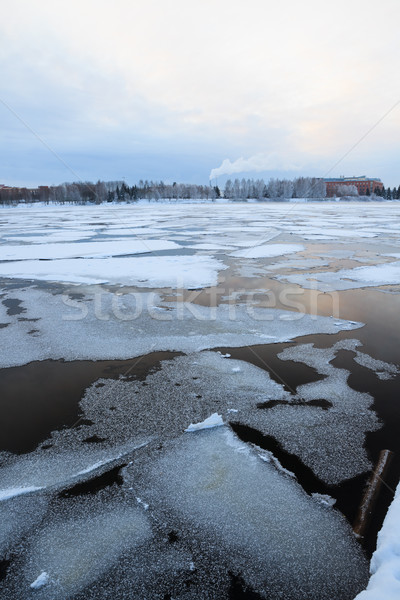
(384, 583)
(150, 272)
(40, 581)
(324, 499)
(215, 420)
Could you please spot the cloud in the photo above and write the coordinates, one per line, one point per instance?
(257, 163)
(162, 83)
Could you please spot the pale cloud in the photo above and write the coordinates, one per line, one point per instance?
(282, 84)
(254, 164)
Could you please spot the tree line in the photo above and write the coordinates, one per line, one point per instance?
(275, 189)
(388, 194)
(118, 191)
(108, 191)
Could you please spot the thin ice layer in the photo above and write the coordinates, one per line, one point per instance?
(283, 542)
(126, 414)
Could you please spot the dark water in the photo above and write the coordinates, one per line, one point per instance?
(95, 484)
(13, 306)
(43, 396)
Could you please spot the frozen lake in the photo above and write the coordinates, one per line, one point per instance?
(122, 325)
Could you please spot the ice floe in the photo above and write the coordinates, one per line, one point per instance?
(382, 369)
(80, 545)
(268, 529)
(188, 389)
(66, 462)
(98, 249)
(150, 272)
(268, 251)
(227, 507)
(346, 279)
(103, 325)
(185, 389)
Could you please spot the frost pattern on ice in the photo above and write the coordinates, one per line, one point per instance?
(18, 516)
(156, 411)
(76, 549)
(68, 461)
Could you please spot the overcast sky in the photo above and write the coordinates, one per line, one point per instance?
(183, 89)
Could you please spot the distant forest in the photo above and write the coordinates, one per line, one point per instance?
(243, 189)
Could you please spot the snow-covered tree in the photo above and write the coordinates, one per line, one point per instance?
(346, 190)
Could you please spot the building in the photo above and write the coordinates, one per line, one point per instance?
(363, 184)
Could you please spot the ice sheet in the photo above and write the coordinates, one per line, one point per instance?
(189, 389)
(67, 462)
(80, 545)
(268, 251)
(382, 369)
(103, 325)
(276, 536)
(346, 279)
(97, 249)
(150, 272)
(49, 237)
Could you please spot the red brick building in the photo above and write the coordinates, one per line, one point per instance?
(362, 184)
